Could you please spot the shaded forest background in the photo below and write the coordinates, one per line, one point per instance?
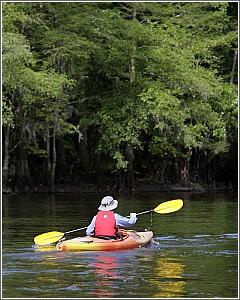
(119, 95)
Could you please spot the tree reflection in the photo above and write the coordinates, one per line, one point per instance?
(168, 278)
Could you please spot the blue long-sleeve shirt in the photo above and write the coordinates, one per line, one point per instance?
(120, 221)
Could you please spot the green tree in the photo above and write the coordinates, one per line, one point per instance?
(25, 89)
(145, 87)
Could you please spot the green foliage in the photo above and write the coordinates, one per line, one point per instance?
(34, 150)
(16, 57)
(121, 123)
(120, 162)
(161, 147)
(14, 17)
(7, 113)
(153, 76)
(219, 147)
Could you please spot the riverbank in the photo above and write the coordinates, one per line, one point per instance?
(141, 186)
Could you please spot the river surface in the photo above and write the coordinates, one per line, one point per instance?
(194, 253)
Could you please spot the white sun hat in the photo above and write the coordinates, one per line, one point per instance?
(108, 203)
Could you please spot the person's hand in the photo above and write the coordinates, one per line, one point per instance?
(133, 215)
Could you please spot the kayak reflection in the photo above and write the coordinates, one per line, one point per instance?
(105, 267)
(44, 249)
(168, 278)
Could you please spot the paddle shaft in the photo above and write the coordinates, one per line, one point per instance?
(143, 212)
(75, 230)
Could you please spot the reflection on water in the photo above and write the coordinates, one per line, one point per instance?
(168, 277)
(44, 249)
(110, 272)
(105, 267)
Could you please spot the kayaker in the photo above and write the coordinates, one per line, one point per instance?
(105, 223)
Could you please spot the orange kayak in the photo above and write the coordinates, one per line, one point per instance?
(131, 239)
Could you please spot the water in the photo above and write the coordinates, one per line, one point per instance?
(194, 253)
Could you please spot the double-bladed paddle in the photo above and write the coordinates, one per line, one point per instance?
(54, 236)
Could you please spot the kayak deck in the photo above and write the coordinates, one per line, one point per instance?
(131, 239)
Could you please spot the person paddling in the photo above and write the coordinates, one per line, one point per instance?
(105, 223)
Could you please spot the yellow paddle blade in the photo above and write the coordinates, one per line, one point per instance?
(169, 206)
(48, 238)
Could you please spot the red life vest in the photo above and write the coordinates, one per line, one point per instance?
(105, 223)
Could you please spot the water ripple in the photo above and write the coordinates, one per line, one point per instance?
(199, 243)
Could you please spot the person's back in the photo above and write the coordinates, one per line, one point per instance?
(106, 222)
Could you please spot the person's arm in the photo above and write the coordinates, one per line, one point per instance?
(125, 222)
(91, 226)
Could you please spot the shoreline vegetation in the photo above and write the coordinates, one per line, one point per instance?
(141, 186)
(121, 97)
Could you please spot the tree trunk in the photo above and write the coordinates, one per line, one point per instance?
(234, 66)
(133, 60)
(24, 181)
(129, 155)
(177, 172)
(185, 169)
(133, 65)
(84, 153)
(5, 170)
(121, 181)
(61, 159)
(196, 166)
(54, 160)
(163, 170)
(48, 157)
